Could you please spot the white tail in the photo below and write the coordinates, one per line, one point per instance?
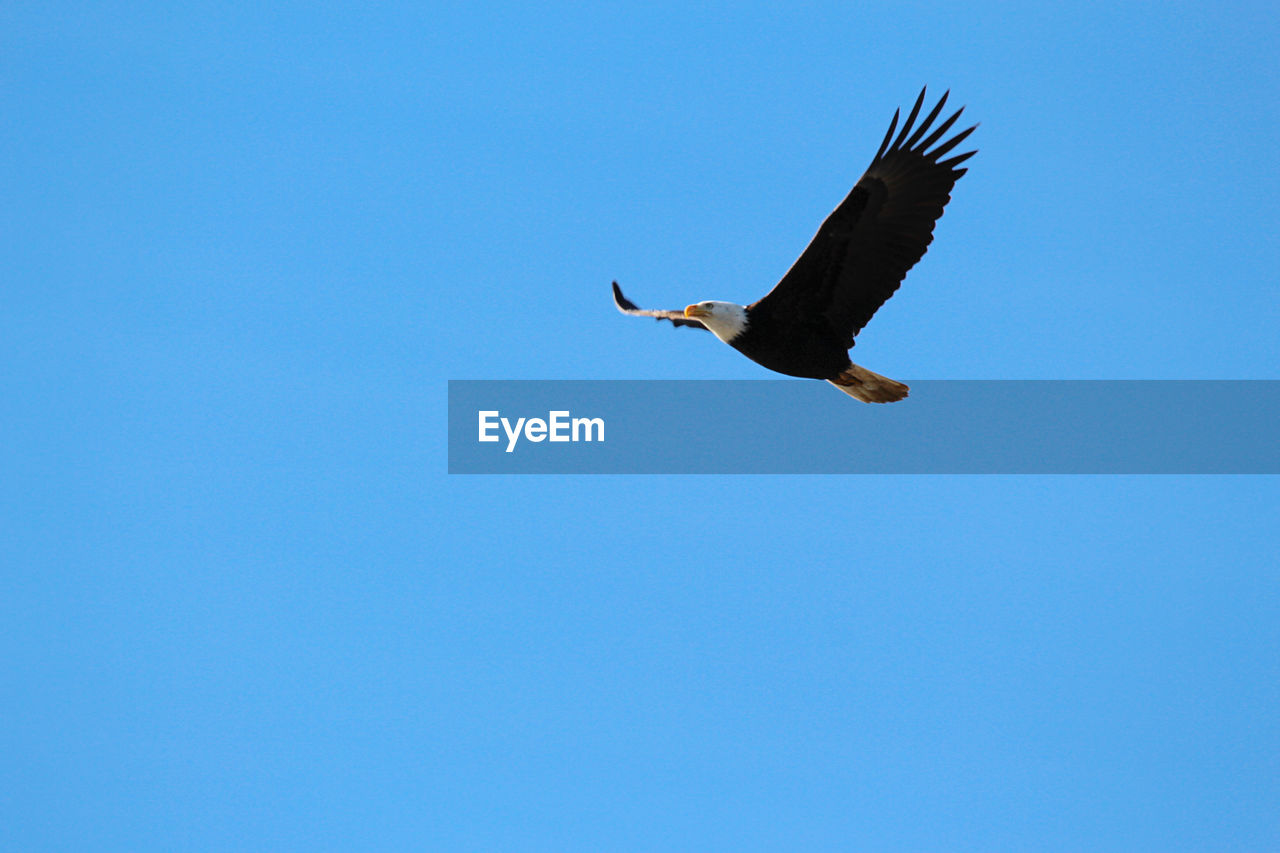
(869, 387)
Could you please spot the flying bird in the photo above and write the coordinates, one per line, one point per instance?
(805, 326)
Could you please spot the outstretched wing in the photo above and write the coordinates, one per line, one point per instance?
(864, 248)
(626, 306)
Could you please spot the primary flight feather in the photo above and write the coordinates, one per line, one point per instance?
(807, 323)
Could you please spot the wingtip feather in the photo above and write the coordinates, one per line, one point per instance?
(911, 117)
(893, 125)
(924, 125)
(622, 303)
(951, 143)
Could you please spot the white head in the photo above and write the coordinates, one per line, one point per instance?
(725, 320)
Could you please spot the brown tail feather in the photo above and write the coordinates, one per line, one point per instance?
(869, 387)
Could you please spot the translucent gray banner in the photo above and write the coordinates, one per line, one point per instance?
(806, 427)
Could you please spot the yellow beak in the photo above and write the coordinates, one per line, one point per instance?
(694, 311)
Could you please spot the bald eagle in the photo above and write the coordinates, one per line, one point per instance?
(805, 326)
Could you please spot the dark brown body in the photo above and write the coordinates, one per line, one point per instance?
(812, 350)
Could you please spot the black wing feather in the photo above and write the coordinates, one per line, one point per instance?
(626, 306)
(865, 247)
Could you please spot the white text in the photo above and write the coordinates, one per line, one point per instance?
(557, 427)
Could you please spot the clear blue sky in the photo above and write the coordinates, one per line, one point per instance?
(243, 607)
